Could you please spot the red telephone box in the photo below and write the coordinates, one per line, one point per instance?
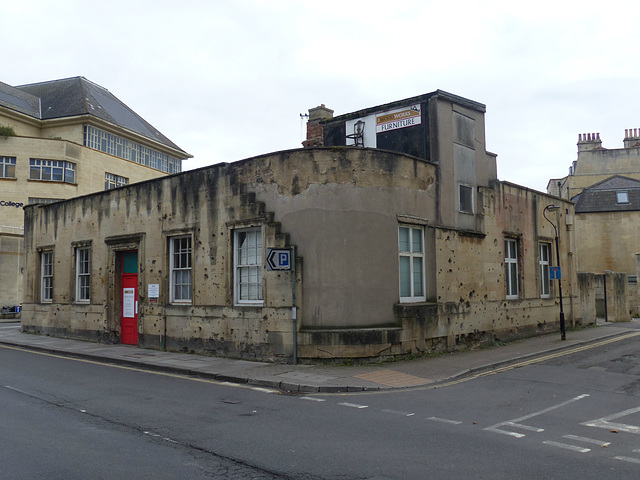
(129, 323)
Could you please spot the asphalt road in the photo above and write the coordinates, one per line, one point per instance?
(574, 416)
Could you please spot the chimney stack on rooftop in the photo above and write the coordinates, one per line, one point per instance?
(631, 137)
(315, 136)
(589, 141)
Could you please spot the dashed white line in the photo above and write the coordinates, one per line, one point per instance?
(587, 440)
(398, 412)
(352, 405)
(313, 399)
(567, 446)
(628, 459)
(444, 420)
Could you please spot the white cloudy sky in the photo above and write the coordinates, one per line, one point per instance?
(228, 79)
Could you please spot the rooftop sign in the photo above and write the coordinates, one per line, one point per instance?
(399, 118)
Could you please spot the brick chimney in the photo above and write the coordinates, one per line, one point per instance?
(589, 141)
(631, 137)
(314, 126)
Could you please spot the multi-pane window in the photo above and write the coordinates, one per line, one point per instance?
(466, 199)
(7, 167)
(511, 267)
(83, 274)
(248, 266)
(545, 259)
(111, 181)
(411, 264)
(34, 200)
(180, 266)
(123, 148)
(46, 276)
(52, 170)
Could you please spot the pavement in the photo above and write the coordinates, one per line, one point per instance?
(318, 378)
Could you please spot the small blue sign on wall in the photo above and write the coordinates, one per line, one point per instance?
(555, 273)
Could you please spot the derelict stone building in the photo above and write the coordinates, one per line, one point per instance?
(398, 245)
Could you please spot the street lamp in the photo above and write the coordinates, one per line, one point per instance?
(544, 214)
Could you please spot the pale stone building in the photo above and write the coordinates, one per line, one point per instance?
(64, 138)
(605, 184)
(403, 243)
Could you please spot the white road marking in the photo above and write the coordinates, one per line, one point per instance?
(156, 435)
(398, 412)
(587, 440)
(352, 405)
(567, 447)
(525, 427)
(605, 422)
(9, 387)
(312, 399)
(444, 420)
(516, 421)
(264, 390)
(628, 459)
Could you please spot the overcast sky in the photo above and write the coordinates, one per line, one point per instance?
(228, 79)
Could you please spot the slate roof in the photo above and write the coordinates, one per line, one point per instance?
(18, 100)
(76, 96)
(602, 197)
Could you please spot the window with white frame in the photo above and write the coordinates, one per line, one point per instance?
(180, 266)
(511, 267)
(46, 276)
(411, 264)
(545, 260)
(83, 274)
(248, 266)
(466, 198)
(7, 167)
(52, 170)
(111, 181)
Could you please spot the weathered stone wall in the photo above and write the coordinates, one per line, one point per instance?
(587, 289)
(91, 166)
(340, 206)
(341, 209)
(607, 241)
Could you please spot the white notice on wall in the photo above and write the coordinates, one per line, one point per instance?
(128, 302)
(154, 290)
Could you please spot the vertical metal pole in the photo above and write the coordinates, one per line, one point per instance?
(294, 315)
(606, 310)
(562, 325)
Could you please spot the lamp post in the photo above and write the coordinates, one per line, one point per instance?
(544, 214)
